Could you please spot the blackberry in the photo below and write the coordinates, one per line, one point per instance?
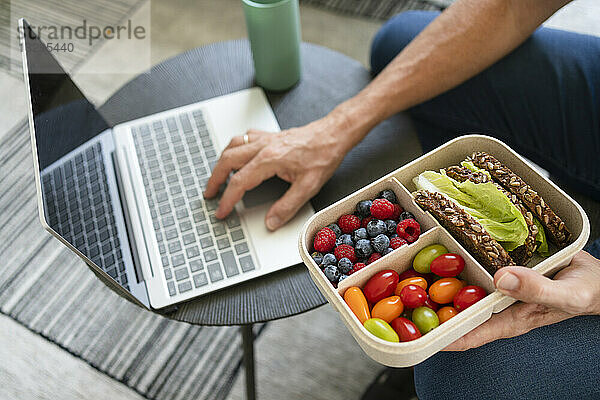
(332, 273)
(376, 227)
(342, 277)
(395, 235)
(363, 208)
(406, 215)
(346, 239)
(318, 257)
(345, 266)
(388, 195)
(360, 233)
(336, 229)
(387, 251)
(391, 227)
(328, 259)
(363, 248)
(380, 243)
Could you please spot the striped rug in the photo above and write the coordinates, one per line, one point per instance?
(49, 290)
(58, 13)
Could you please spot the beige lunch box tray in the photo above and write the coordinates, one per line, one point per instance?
(400, 181)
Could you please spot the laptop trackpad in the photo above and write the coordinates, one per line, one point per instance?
(267, 192)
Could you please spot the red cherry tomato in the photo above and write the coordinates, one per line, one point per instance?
(381, 285)
(448, 265)
(405, 329)
(411, 273)
(431, 304)
(413, 296)
(468, 296)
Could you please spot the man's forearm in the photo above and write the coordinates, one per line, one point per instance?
(467, 38)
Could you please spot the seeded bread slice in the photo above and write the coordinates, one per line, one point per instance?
(556, 229)
(490, 254)
(522, 254)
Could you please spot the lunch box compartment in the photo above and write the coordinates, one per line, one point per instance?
(400, 181)
(347, 205)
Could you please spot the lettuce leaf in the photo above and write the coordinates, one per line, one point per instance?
(540, 238)
(484, 202)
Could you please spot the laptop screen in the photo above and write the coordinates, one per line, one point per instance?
(63, 118)
(79, 195)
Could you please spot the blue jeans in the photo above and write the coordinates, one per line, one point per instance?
(543, 99)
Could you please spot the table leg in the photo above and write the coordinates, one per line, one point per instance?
(248, 347)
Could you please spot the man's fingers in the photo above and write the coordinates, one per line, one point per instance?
(530, 286)
(231, 159)
(249, 177)
(253, 136)
(516, 320)
(288, 205)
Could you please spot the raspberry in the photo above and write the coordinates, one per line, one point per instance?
(349, 223)
(324, 240)
(357, 267)
(409, 230)
(382, 209)
(397, 211)
(374, 257)
(365, 221)
(345, 251)
(397, 242)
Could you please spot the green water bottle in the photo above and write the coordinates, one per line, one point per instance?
(274, 33)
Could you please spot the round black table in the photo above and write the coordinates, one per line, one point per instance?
(328, 78)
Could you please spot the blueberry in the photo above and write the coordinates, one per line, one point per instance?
(406, 215)
(395, 235)
(380, 243)
(345, 265)
(336, 229)
(342, 277)
(388, 195)
(344, 239)
(360, 233)
(376, 227)
(387, 251)
(332, 273)
(363, 248)
(328, 259)
(363, 208)
(391, 226)
(318, 257)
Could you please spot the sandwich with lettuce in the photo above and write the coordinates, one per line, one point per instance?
(497, 217)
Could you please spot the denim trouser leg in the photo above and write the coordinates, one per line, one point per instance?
(543, 100)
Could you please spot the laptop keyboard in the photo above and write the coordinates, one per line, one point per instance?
(176, 157)
(79, 208)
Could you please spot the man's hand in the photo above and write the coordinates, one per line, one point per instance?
(306, 157)
(575, 290)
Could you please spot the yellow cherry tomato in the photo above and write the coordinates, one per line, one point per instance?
(445, 313)
(443, 290)
(415, 280)
(388, 309)
(381, 329)
(357, 302)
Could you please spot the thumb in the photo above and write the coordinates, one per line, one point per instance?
(530, 286)
(288, 205)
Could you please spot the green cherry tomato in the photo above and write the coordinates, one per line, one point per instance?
(381, 329)
(425, 319)
(423, 259)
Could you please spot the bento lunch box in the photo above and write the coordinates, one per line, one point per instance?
(406, 354)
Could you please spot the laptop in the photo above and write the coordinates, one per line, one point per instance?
(128, 198)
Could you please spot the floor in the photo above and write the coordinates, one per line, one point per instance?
(307, 356)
